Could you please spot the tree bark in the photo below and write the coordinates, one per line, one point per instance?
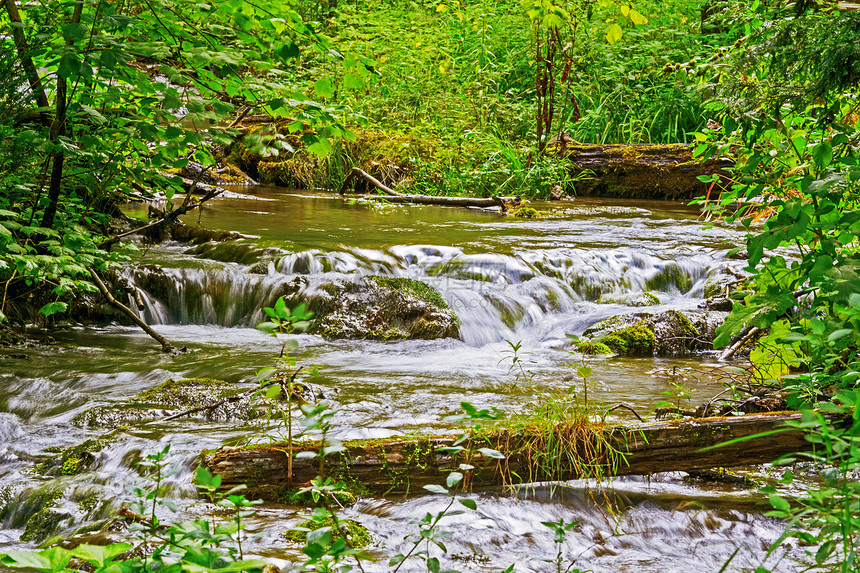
(404, 466)
(23, 54)
(165, 345)
(58, 129)
(638, 171)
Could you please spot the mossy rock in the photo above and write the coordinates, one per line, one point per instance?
(592, 348)
(644, 298)
(357, 535)
(636, 340)
(73, 460)
(375, 308)
(667, 333)
(177, 395)
(525, 213)
(115, 416)
(670, 278)
(43, 524)
(187, 392)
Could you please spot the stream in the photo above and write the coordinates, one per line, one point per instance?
(509, 281)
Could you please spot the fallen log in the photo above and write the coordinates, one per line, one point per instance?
(405, 465)
(640, 171)
(392, 196)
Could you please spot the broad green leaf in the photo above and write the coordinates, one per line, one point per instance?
(453, 479)
(434, 488)
(53, 308)
(613, 33)
(324, 88)
(823, 154)
(637, 18)
(490, 453)
(468, 502)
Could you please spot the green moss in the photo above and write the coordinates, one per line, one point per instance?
(89, 503)
(591, 347)
(73, 460)
(635, 340)
(42, 524)
(421, 291)
(356, 534)
(525, 213)
(181, 392)
(670, 276)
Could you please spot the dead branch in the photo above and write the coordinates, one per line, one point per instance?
(165, 345)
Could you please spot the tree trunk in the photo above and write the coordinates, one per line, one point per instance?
(58, 129)
(404, 466)
(23, 54)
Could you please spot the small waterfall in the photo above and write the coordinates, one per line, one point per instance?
(493, 295)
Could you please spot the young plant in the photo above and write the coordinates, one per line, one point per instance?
(280, 379)
(517, 363)
(560, 530)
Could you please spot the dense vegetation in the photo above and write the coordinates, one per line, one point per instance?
(103, 101)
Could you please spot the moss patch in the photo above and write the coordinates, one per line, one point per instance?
(591, 347)
(636, 340)
(356, 534)
(421, 291)
(73, 460)
(183, 393)
(525, 213)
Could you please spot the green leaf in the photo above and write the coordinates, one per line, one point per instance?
(490, 453)
(273, 391)
(100, 555)
(469, 503)
(613, 33)
(822, 154)
(453, 479)
(53, 308)
(290, 51)
(324, 88)
(434, 488)
(779, 503)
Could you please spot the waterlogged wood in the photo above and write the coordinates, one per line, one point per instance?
(392, 196)
(646, 171)
(404, 466)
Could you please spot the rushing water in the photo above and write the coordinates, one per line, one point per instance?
(513, 280)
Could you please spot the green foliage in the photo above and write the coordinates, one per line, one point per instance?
(284, 320)
(133, 89)
(827, 519)
(191, 547)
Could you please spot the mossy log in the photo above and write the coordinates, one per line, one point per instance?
(403, 466)
(642, 171)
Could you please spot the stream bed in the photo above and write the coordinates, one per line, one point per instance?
(509, 281)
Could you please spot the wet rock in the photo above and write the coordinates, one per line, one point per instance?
(73, 460)
(668, 333)
(630, 299)
(375, 308)
(117, 416)
(174, 396)
(723, 280)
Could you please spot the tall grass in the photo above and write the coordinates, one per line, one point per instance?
(456, 88)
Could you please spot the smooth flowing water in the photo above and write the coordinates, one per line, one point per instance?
(508, 280)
